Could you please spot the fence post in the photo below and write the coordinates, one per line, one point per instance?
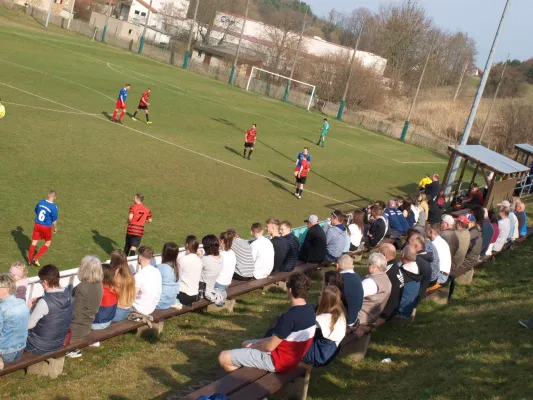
(404, 131)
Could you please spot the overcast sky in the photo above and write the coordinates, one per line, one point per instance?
(479, 18)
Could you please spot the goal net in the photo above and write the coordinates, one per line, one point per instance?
(281, 87)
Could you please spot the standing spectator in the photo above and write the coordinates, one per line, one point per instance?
(396, 278)
(432, 189)
(228, 261)
(353, 289)
(313, 250)
(292, 336)
(51, 314)
(14, 318)
(520, 211)
(262, 252)
(504, 227)
(434, 215)
(487, 232)
(281, 246)
(335, 236)
(293, 247)
(170, 277)
(356, 230)
(424, 261)
(20, 274)
(447, 232)
(148, 283)
(108, 305)
(398, 225)
(190, 269)
(212, 263)
(474, 247)
(244, 270)
(124, 284)
(412, 278)
(445, 256)
(463, 237)
(378, 227)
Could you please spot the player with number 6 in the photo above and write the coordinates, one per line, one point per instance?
(137, 217)
(45, 218)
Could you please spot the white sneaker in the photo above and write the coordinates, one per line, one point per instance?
(74, 354)
(299, 196)
(177, 305)
(95, 344)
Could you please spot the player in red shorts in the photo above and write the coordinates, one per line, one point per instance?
(121, 103)
(301, 177)
(143, 105)
(249, 140)
(137, 217)
(45, 218)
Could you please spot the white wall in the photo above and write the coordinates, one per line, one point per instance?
(126, 30)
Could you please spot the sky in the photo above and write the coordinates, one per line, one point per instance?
(478, 18)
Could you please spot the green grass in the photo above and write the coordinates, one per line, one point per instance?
(188, 163)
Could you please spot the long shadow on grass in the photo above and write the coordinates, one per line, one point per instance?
(232, 150)
(106, 243)
(227, 123)
(22, 240)
(280, 185)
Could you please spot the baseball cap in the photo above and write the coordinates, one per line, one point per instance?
(504, 203)
(312, 218)
(448, 219)
(464, 219)
(471, 218)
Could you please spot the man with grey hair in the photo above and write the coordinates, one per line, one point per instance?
(398, 224)
(353, 289)
(412, 278)
(313, 249)
(14, 316)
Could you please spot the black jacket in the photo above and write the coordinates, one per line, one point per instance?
(280, 251)
(423, 260)
(377, 231)
(432, 190)
(396, 278)
(313, 250)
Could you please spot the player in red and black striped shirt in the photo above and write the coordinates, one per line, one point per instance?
(143, 105)
(301, 177)
(138, 216)
(249, 140)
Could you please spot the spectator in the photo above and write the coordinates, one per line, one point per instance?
(434, 214)
(293, 245)
(330, 328)
(423, 211)
(463, 237)
(356, 230)
(447, 232)
(426, 180)
(353, 289)
(432, 189)
(20, 274)
(335, 236)
(244, 269)
(377, 289)
(51, 314)
(409, 214)
(14, 316)
(124, 284)
(212, 263)
(313, 250)
(435, 263)
(474, 247)
(474, 198)
(170, 277)
(444, 254)
(396, 278)
(412, 278)
(378, 227)
(399, 204)
(190, 266)
(291, 337)
(87, 297)
(334, 278)
(504, 227)
(493, 217)
(148, 283)
(262, 252)
(487, 232)
(228, 261)
(398, 225)
(281, 247)
(108, 305)
(520, 212)
(513, 221)
(424, 260)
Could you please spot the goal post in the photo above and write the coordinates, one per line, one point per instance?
(277, 86)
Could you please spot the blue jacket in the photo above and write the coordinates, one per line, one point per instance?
(171, 288)
(335, 241)
(397, 222)
(322, 351)
(353, 295)
(14, 315)
(289, 263)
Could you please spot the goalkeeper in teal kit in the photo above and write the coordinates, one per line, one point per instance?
(323, 132)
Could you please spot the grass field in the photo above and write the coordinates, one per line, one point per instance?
(58, 89)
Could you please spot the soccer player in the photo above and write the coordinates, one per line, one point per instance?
(323, 132)
(121, 103)
(2, 110)
(301, 177)
(45, 218)
(249, 140)
(138, 216)
(143, 105)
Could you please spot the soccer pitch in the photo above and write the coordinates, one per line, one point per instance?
(188, 164)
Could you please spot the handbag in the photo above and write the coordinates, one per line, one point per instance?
(202, 286)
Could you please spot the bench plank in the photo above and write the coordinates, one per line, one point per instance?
(230, 383)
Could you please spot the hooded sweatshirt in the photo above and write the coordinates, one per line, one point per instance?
(424, 260)
(335, 241)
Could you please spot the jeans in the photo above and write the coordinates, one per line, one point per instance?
(8, 357)
(220, 287)
(103, 325)
(408, 300)
(121, 314)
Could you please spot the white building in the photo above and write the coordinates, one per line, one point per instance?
(136, 12)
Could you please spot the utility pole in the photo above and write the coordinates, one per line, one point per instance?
(461, 81)
(234, 66)
(49, 13)
(288, 86)
(477, 100)
(191, 32)
(71, 14)
(350, 71)
(143, 37)
(406, 125)
(487, 121)
(106, 22)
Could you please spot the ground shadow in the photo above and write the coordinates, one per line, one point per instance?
(276, 151)
(232, 150)
(227, 123)
(107, 115)
(307, 140)
(411, 189)
(106, 243)
(280, 185)
(22, 240)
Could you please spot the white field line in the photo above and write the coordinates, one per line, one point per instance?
(102, 118)
(47, 109)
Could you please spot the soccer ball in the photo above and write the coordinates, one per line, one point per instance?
(2, 111)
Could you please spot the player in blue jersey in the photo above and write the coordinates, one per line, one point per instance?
(45, 218)
(121, 103)
(323, 132)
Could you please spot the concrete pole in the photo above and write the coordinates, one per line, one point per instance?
(49, 13)
(295, 61)
(143, 37)
(477, 100)
(234, 66)
(191, 32)
(104, 31)
(71, 14)
(460, 81)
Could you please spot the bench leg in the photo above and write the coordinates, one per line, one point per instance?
(356, 350)
(282, 285)
(228, 305)
(466, 278)
(440, 296)
(294, 390)
(155, 330)
(51, 368)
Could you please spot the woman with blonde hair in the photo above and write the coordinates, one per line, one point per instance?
(124, 284)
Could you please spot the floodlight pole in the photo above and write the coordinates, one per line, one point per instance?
(71, 15)
(234, 66)
(143, 37)
(106, 22)
(477, 100)
(295, 61)
(350, 72)
(191, 32)
(49, 13)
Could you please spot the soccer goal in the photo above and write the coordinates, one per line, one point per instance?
(281, 87)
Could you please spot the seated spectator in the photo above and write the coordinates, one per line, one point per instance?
(378, 227)
(51, 314)
(20, 274)
(124, 284)
(398, 225)
(330, 328)
(474, 247)
(14, 316)
(148, 283)
(487, 232)
(356, 230)
(493, 217)
(228, 261)
(212, 264)
(412, 278)
(424, 260)
(108, 304)
(334, 278)
(377, 289)
(396, 278)
(399, 204)
(293, 247)
(281, 246)
(313, 249)
(520, 212)
(291, 336)
(262, 252)
(335, 236)
(463, 237)
(474, 198)
(435, 263)
(513, 221)
(409, 214)
(346, 221)
(504, 229)
(190, 266)
(426, 180)
(170, 277)
(353, 289)
(447, 232)
(244, 269)
(432, 189)
(423, 211)
(444, 254)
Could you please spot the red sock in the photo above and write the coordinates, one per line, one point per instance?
(115, 114)
(41, 251)
(31, 253)
(121, 115)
